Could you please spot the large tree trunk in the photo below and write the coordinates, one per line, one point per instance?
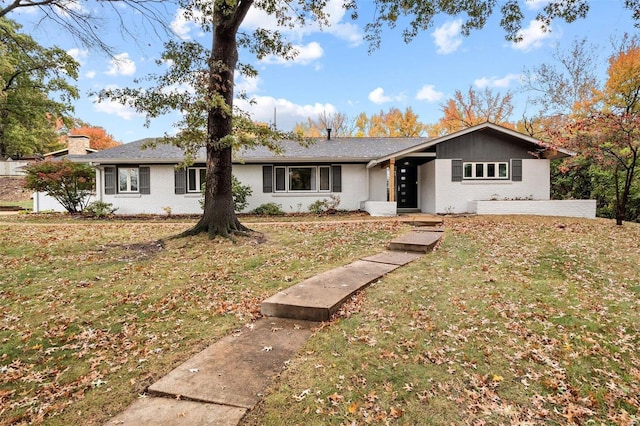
(219, 217)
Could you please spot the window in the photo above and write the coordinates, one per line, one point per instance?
(128, 179)
(485, 170)
(281, 184)
(325, 181)
(302, 179)
(196, 176)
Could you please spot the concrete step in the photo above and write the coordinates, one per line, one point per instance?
(317, 298)
(416, 241)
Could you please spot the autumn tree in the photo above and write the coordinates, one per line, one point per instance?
(98, 137)
(465, 110)
(393, 123)
(338, 122)
(35, 92)
(609, 134)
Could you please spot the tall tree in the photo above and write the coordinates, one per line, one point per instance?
(224, 17)
(610, 133)
(393, 123)
(474, 107)
(338, 122)
(98, 137)
(34, 92)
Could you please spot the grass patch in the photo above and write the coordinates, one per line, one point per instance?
(513, 320)
(93, 312)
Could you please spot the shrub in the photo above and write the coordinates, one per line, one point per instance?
(324, 206)
(269, 209)
(99, 209)
(69, 183)
(239, 192)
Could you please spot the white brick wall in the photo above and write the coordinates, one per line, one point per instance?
(454, 197)
(570, 208)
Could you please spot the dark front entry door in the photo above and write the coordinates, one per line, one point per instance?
(407, 185)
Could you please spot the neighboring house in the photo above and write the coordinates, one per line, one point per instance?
(458, 173)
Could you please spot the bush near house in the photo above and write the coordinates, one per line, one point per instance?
(69, 183)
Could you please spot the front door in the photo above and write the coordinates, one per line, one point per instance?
(406, 185)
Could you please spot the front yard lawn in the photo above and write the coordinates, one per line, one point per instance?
(513, 320)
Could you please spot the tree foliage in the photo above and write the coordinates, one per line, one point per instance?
(474, 107)
(338, 122)
(71, 184)
(98, 137)
(393, 123)
(34, 92)
(609, 134)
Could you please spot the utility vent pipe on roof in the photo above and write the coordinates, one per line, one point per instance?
(328, 134)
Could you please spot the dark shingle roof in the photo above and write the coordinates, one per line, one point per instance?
(336, 149)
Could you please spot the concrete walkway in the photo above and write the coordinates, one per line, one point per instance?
(218, 385)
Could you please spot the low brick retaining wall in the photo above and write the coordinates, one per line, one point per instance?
(569, 208)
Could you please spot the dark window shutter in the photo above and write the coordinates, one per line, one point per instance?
(267, 178)
(516, 170)
(109, 180)
(180, 179)
(336, 178)
(145, 180)
(456, 170)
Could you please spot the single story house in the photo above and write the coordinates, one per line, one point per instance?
(482, 169)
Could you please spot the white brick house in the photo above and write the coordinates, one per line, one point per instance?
(456, 173)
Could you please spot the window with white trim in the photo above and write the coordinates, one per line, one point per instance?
(486, 170)
(196, 176)
(128, 179)
(303, 179)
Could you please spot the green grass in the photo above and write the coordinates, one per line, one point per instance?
(93, 312)
(24, 204)
(512, 320)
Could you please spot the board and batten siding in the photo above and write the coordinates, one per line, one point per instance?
(483, 146)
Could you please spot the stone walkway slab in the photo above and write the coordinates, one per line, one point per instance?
(416, 241)
(317, 298)
(394, 257)
(152, 411)
(235, 370)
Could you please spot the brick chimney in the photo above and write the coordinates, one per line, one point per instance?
(78, 144)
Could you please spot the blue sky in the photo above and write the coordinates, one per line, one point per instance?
(334, 71)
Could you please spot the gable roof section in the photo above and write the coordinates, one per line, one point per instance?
(536, 145)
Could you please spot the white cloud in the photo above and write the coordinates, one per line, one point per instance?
(532, 37)
(78, 54)
(246, 84)
(377, 96)
(348, 31)
(501, 82)
(122, 65)
(114, 108)
(536, 4)
(448, 37)
(429, 93)
(286, 113)
(182, 25)
(306, 55)
(90, 74)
